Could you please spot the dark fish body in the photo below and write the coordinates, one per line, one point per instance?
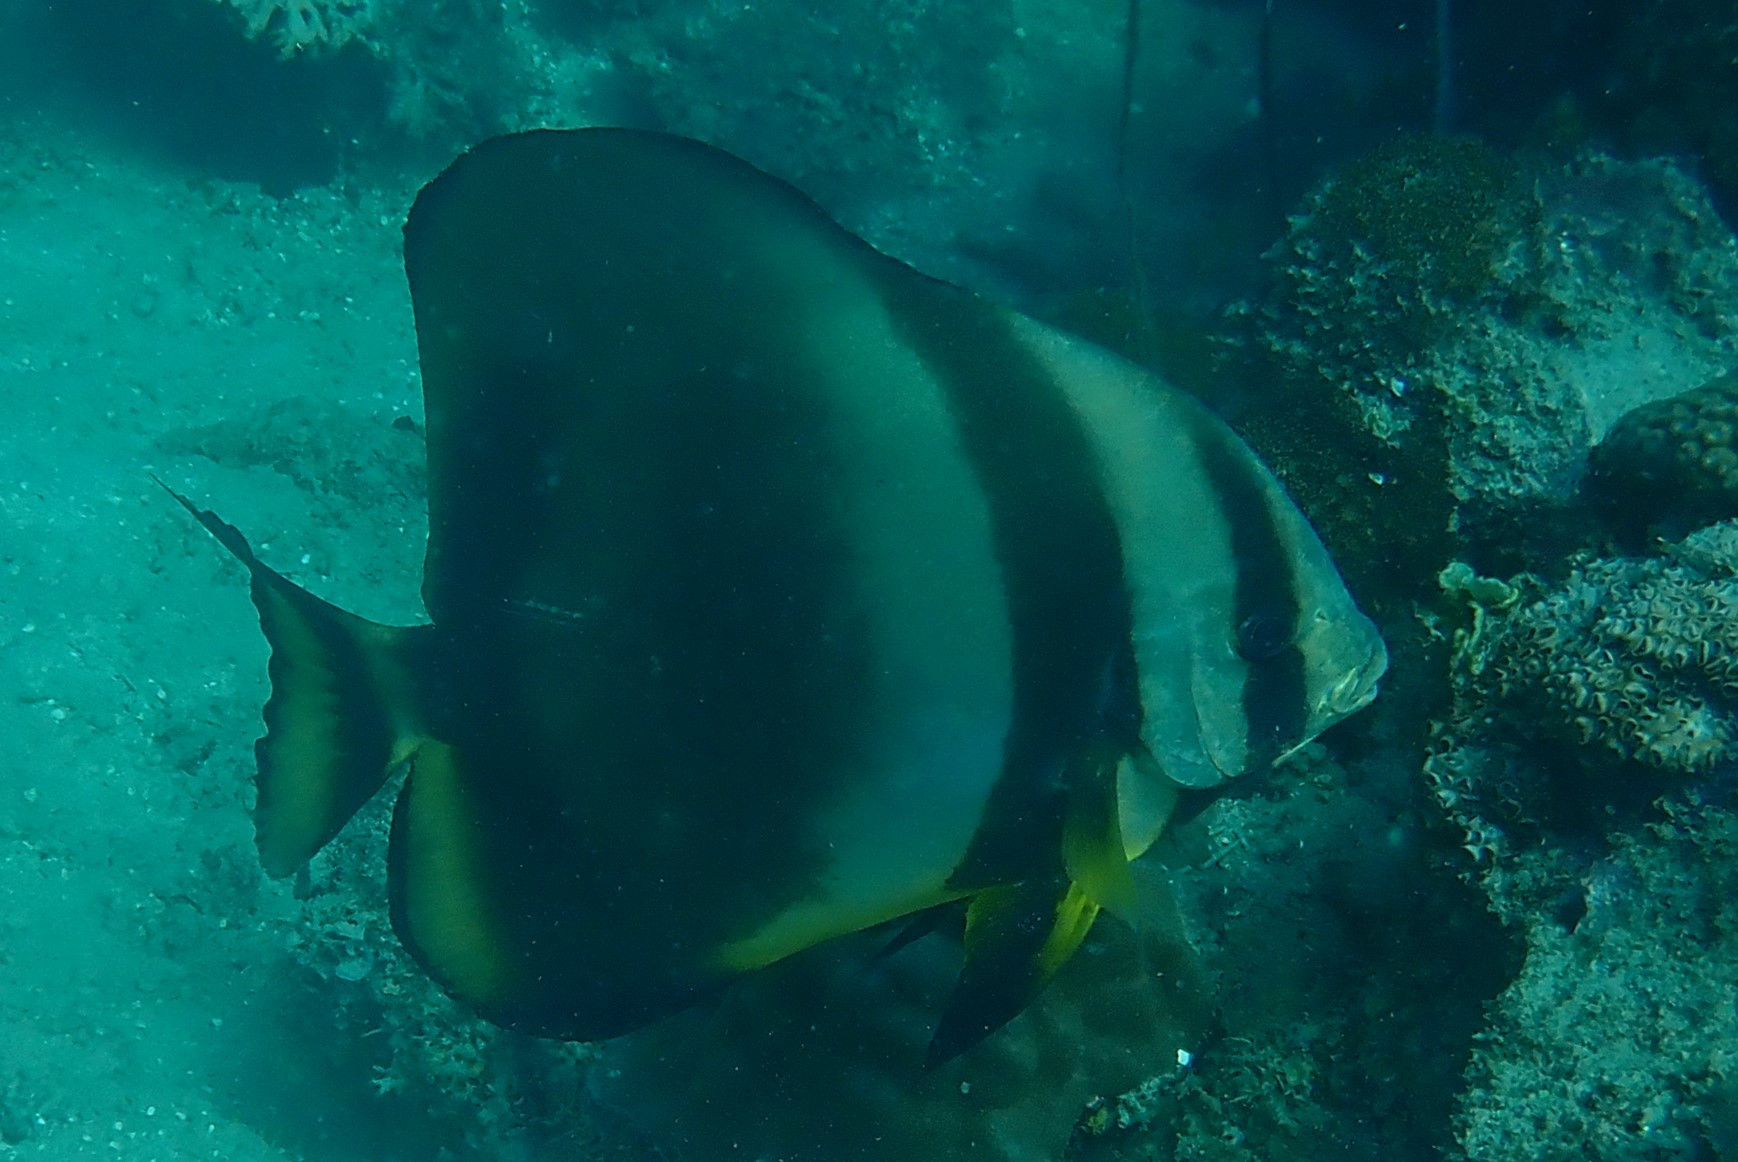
(777, 591)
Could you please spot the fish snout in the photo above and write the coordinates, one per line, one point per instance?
(1358, 687)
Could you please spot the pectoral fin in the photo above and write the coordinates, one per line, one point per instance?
(1017, 938)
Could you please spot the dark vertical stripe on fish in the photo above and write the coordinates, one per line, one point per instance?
(1062, 571)
(1275, 708)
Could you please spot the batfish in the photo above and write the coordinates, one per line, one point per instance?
(776, 591)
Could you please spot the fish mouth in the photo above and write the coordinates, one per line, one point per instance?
(1358, 688)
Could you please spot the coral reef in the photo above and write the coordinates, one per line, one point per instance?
(1627, 662)
(1261, 1097)
(1670, 466)
(1630, 661)
(451, 68)
(1425, 409)
(1616, 1040)
(1595, 694)
(297, 26)
(1406, 240)
(1349, 976)
(1587, 771)
(1437, 413)
(1363, 299)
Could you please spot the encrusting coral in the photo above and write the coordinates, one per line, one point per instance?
(1670, 466)
(1630, 661)
(1403, 242)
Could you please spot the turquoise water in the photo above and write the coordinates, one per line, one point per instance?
(1490, 917)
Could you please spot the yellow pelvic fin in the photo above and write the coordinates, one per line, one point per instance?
(1092, 841)
(341, 714)
(1017, 938)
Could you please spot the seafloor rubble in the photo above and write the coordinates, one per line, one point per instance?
(1524, 455)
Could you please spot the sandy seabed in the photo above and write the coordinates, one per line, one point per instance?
(243, 349)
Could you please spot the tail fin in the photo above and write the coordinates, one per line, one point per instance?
(342, 713)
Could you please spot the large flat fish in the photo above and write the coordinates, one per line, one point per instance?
(777, 591)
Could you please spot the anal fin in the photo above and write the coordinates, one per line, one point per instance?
(1017, 938)
(445, 903)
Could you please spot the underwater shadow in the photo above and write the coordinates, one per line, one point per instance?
(297, 1077)
(180, 78)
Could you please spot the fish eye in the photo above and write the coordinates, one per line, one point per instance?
(1261, 636)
